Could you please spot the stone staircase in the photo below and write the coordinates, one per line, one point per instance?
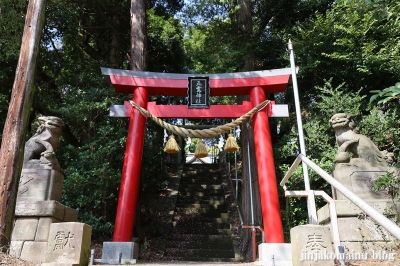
(200, 228)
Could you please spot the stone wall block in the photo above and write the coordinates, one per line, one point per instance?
(25, 229)
(70, 215)
(43, 229)
(34, 251)
(16, 248)
(50, 208)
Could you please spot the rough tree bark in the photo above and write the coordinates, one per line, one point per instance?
(13, 141)
(138, 35)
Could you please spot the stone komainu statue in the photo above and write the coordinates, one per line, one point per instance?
(40, 149)
(364, 151)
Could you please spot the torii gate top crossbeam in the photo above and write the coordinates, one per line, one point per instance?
(167, 84)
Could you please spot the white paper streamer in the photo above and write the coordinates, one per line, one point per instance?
(221, 143)
(165, 136)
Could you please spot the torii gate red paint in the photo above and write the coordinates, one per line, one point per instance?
(142, 84)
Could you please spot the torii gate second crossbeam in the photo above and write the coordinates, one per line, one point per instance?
(256, 84)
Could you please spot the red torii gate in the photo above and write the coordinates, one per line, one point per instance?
(256, 84)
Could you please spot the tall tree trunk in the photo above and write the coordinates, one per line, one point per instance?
(138, 35)
(12, 146)
(245, 33)
(138, 57)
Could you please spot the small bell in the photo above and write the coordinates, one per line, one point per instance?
(231, 145)
(171, 146)
(201, 150)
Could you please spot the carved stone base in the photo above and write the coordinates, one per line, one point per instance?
(32, 227)
(360, 181)
(358, 233)
(40, 184)
(345, 208)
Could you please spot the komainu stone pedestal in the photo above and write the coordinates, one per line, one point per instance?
(312, 245)
(39, 185)
(359, 180)
(358, 233)
(36, 210)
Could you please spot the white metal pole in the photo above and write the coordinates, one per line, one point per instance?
(312, 212)
(236, 177)
(251, 187)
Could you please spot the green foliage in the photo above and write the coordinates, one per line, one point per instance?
(390, 182)
(388, 94)
(212, 48)
(382, 128)
(165, 43)
(349, 43)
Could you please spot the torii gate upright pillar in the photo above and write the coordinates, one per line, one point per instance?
(266, 171)
(129, 188)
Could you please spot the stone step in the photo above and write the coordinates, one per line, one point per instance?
(221, 206)
(188, 201)
(193, 172)
(200, 180)
(205, 192)
(201, 193)
(201, 210)
(197, 187)
(193, 167)
(200, 225)
(199, 245)
(201, 231)
(199, 238)
(199, 253)
(216, 215)
(224, 219)
(201, 198)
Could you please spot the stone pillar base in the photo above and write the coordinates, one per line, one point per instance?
(119, 253)
(275, 254)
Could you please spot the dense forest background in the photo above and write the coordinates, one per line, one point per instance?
(346, 50)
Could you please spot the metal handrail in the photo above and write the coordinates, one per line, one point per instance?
(386, 223)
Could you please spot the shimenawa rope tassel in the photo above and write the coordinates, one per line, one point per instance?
(171, 146)
(201, 150)
(231, 145)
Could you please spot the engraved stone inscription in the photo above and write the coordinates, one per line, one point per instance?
(24, 182)
(63, 240)
(315, 243)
